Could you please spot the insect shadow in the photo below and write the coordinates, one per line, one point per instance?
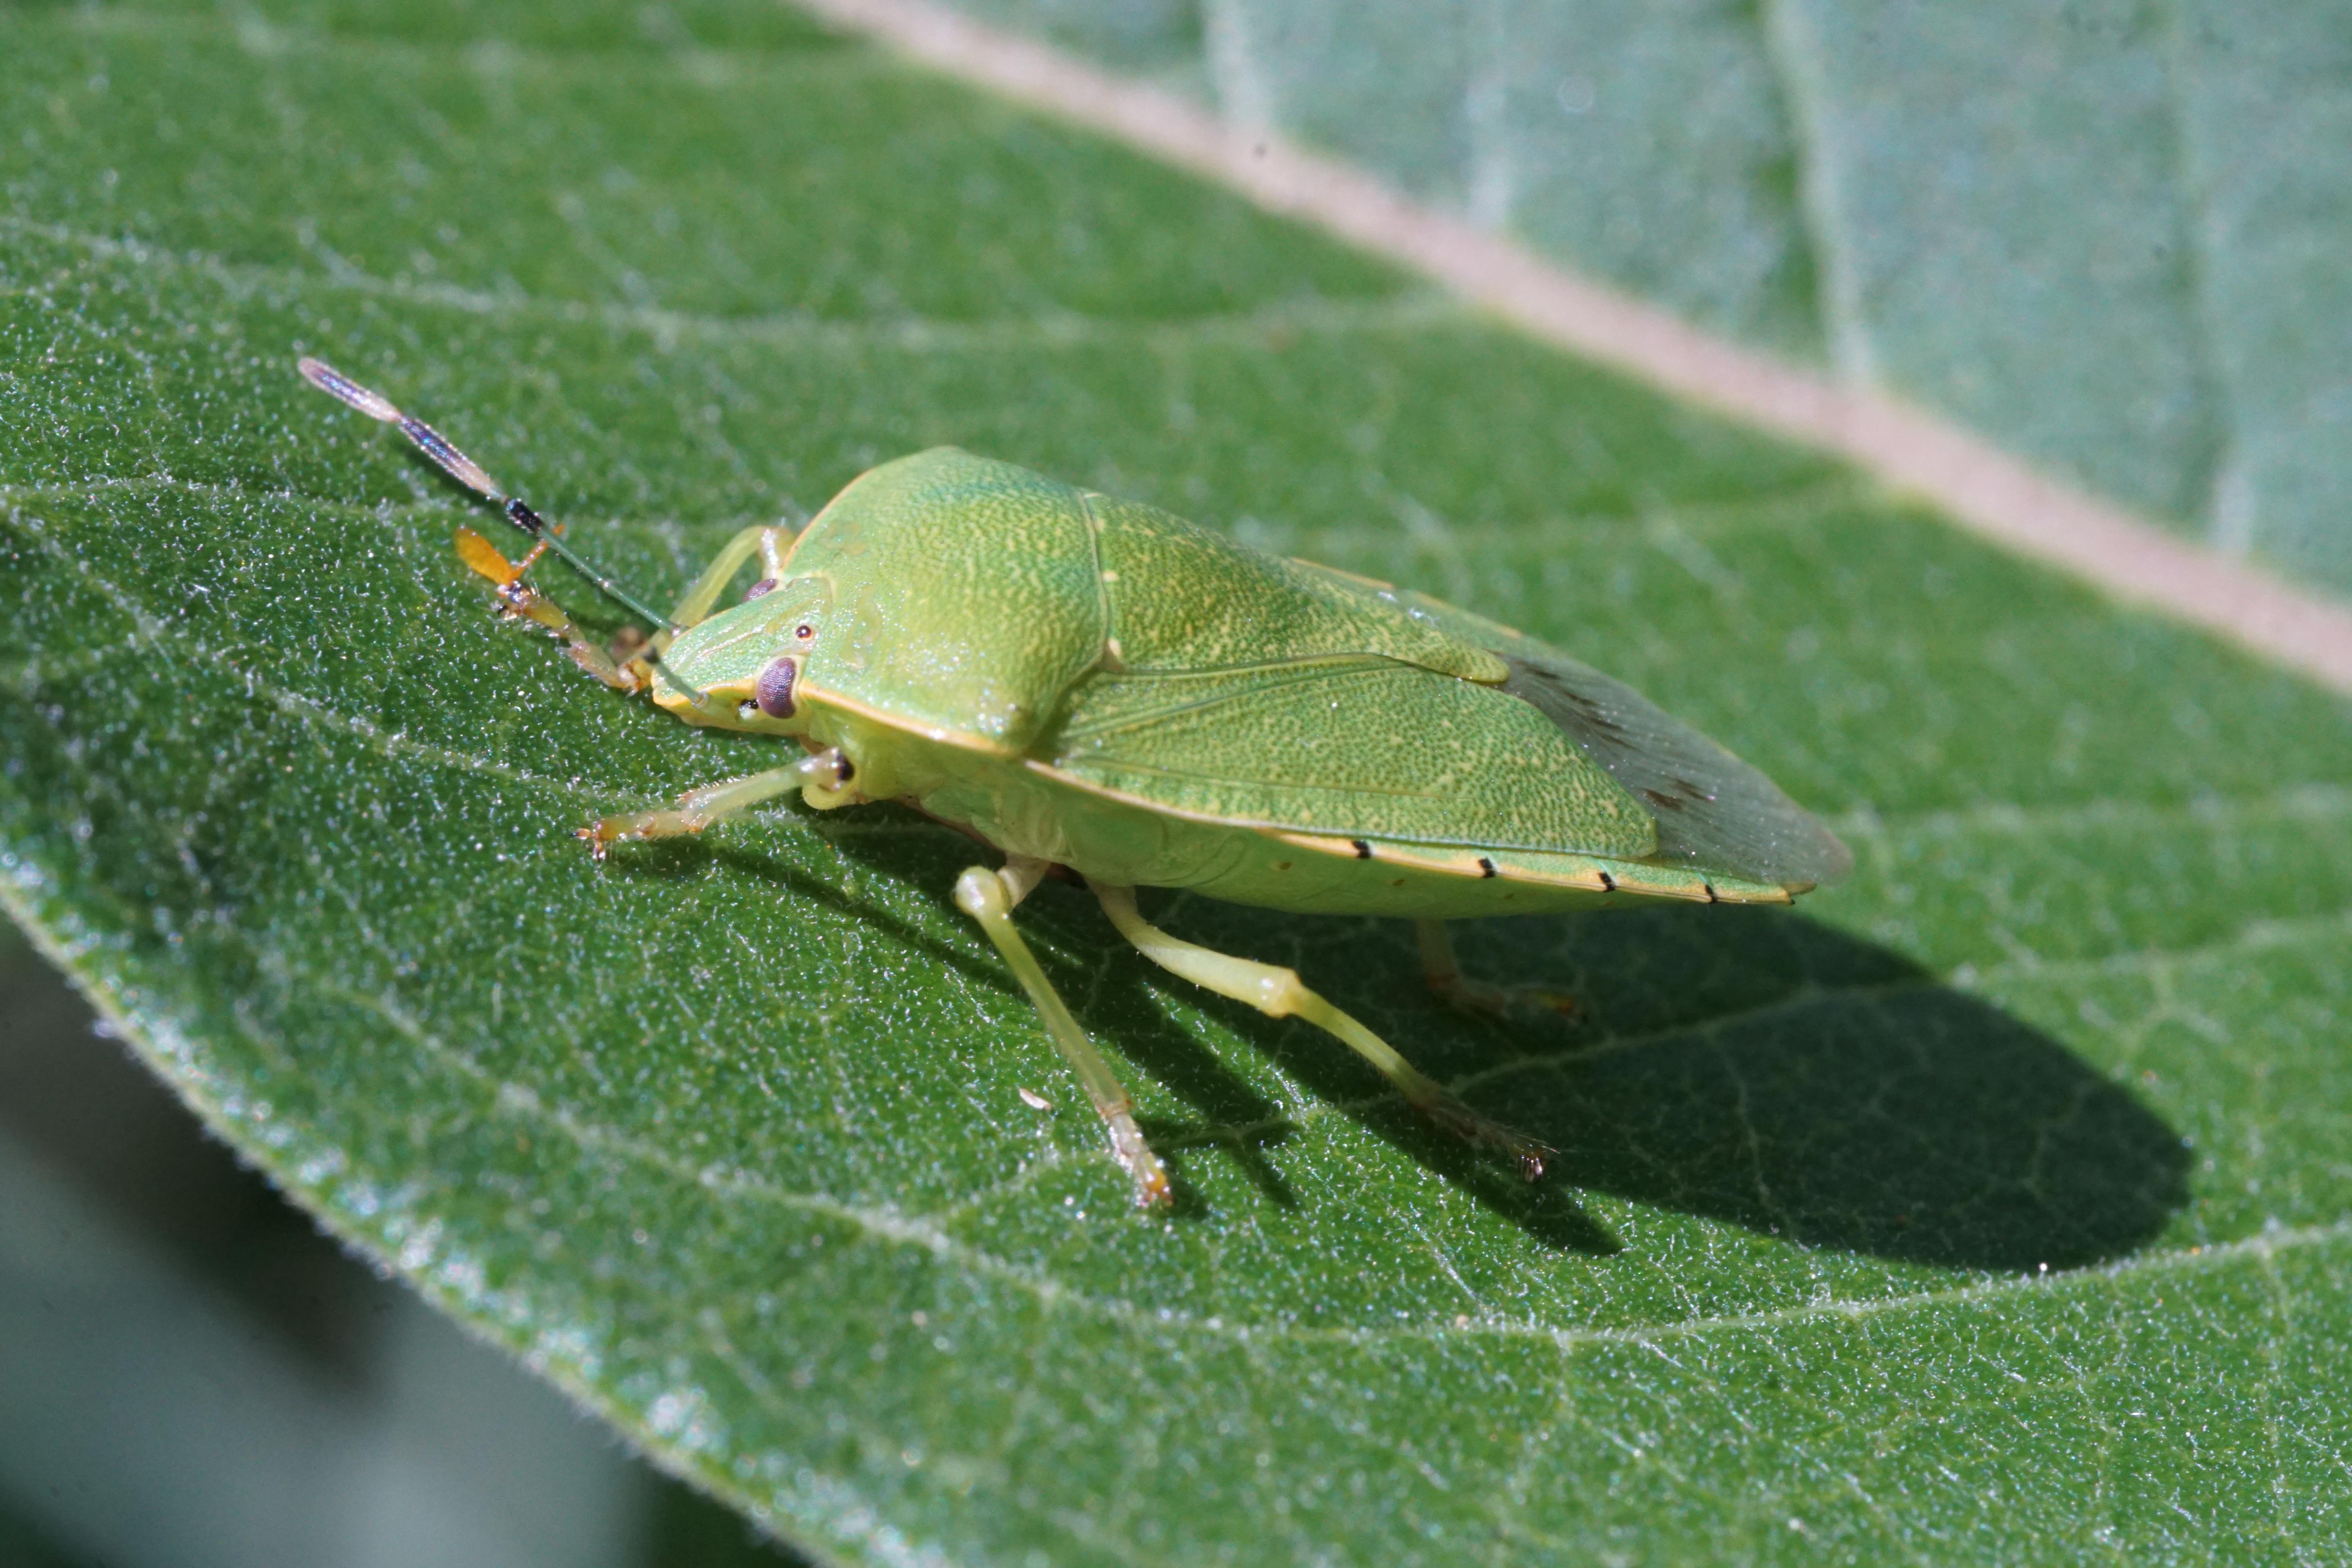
(1752, 1066)
(1748, 1065)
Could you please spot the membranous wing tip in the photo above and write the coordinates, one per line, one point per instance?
(1713, 811)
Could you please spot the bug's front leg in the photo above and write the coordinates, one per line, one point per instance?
(616, 668)
(521, 600)
(989, 897)
(822, 780)
(696, 809)
(1278, 992)
(1480, 996)
(772, 544)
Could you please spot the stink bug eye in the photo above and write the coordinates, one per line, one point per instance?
(773, 694)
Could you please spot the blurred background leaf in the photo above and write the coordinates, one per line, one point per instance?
(2110, 236)
(195, 1375)
(1992, 1206)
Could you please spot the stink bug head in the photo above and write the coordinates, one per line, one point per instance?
(740, 668)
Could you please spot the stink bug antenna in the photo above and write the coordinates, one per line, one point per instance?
(469, 473)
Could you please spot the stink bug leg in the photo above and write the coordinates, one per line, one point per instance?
(818, 778)
(989, 897)
(696, 810)
(1278, 992)
(771, 544)
(1479, 996)
(520, 599)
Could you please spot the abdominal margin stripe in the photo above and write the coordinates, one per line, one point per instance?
(1981, 487)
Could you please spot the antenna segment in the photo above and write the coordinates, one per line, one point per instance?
(470, 474)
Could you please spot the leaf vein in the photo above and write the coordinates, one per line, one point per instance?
(1412, 309)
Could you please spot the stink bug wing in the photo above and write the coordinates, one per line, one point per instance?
(1181, 597)
(1348, 748)
(1715, 813)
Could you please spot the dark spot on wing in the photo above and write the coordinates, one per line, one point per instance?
(1591, 712)
(1608, 883)
(1487, 868)
(1679, 795)
(1363, 850)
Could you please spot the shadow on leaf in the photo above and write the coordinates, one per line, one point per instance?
(1748, 1065)
(1751, 1065)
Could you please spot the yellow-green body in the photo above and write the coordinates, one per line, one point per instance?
(1097, 684)
(1029, 808)
(1091, 683)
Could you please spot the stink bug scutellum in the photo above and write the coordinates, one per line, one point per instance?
(1095, 684)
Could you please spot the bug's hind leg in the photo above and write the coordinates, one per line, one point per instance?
(1278, 992)
(989, 897)
(1480, 996)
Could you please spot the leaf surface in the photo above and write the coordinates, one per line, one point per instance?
(1992, 1204)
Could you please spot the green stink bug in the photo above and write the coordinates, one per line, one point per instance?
(1095, 685)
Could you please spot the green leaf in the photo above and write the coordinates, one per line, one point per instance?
(1993, 1206)
(2108, 236)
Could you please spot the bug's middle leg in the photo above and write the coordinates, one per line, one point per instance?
(989, 897)
(1482, 996)
(1278, 992)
